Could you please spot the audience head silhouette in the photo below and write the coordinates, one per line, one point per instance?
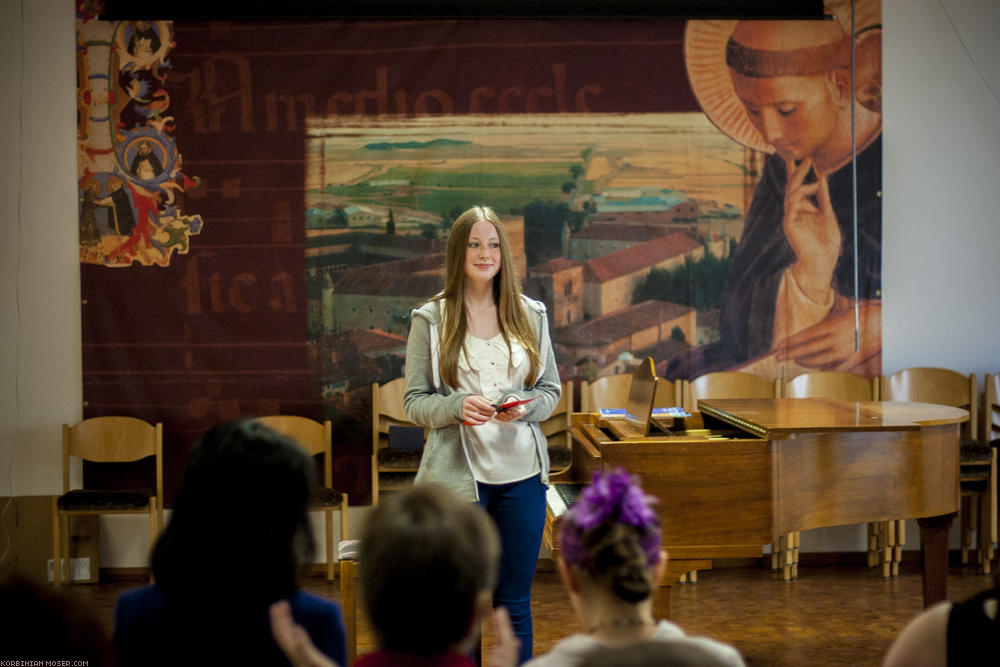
(241, 506)
(428, 567)
(613, 534)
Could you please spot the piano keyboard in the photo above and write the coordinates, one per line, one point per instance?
(560, 496)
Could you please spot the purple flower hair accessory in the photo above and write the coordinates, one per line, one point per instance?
(614, 496)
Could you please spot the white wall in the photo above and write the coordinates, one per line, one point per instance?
(941, 229)
(40, 367)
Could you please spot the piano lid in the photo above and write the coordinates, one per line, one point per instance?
(779, 417)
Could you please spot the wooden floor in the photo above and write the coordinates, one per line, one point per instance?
(833, 615)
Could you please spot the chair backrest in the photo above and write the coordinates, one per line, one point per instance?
(832, 384)
(935, 385)
(611, 391)
(668, 394)
(315, 437)
(728, 384)
(556, 427)
(387, 410)
(991, 410)
(114, 440)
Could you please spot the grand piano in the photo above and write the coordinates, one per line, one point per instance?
(737, 474)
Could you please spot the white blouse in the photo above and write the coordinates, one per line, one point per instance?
(499, 452)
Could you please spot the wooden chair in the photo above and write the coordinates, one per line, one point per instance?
(738, 384)
(978, 461)
(317, 439)
(556, 431)
(728, 384)
(611, 391)
(991, 434)
(841, 387)
(107, 440)
(392, 469)
(349, 567)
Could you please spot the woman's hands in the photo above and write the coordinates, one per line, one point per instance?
(476, 411)
(511, 414)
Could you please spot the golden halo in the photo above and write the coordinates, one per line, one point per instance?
(705, 60)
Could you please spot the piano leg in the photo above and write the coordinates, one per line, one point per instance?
(675, 568)
(934, 549)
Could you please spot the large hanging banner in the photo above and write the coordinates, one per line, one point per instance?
(262, 204)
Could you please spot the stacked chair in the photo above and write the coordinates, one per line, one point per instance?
(977, 477)
(317, 439)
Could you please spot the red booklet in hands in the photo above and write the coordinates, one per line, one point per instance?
(512, 404)
(506, 406)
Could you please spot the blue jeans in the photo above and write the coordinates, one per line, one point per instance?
(518, 509)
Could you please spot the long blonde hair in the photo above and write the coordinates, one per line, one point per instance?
(506, 294)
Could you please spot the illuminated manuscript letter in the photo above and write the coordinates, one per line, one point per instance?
(214, 92)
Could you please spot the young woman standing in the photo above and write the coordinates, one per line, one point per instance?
(472, 348)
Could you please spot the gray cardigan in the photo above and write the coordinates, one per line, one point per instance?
(430, 403)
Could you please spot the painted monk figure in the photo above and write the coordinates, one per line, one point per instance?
(790, 293)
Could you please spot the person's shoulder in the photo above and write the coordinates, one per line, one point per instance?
(566, 652)
(139, 608)
(308, 604)
(924, 640)
(667, 631)
(536, 306)
(145, 597)
(723, 652)
(430, 311)
(388, 659)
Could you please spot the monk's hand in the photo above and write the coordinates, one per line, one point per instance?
(811, 228)
(829, 344)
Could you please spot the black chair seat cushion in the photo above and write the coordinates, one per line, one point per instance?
(391, 481)
(559, 456)
(83, 500)
(973, 451)
(401, 459)
(324, 497)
